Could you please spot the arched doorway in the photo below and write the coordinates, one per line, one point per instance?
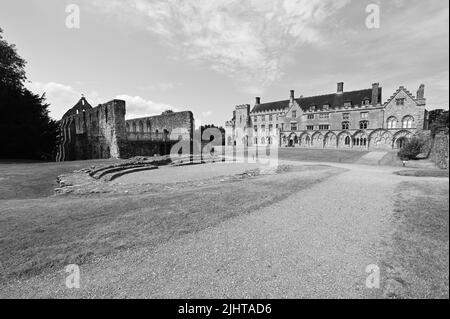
(401, 142)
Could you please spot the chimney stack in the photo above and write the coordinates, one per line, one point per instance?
(258, 101)
(421, 92)
(292, 96)
(340, 87)
(375, 93)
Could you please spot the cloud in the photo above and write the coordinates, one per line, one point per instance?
(249, 41)
(61, 97)
(140, 107)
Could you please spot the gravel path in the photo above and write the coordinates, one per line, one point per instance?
(314, 244)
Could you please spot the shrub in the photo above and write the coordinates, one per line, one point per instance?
(411, 149)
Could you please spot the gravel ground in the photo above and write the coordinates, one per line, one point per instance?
(314, 244)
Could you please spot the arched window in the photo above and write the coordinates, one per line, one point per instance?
(345, 125)
(347, 140)
(363, 125)
(128, 127)
(149, 126)
(407, 121)
(263, 140)
(133, 126)
(392, 122)
(141, 127)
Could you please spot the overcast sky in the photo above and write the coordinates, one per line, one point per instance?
(209, 55)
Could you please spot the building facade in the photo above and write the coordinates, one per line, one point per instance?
(352, 120)
(87, 132)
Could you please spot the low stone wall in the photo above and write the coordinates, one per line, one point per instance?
(439, 151)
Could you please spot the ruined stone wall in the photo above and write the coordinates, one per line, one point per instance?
(171, 126)
(94, 133)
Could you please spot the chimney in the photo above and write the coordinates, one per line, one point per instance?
(421, 92)
(292, 96)
(258, 101)
(340, 87)
(375, 92)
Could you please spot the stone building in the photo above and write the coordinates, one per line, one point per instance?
(87, 132)
(353, 120)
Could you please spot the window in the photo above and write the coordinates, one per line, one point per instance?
(366, 102)
(255, 128)
(392, 122)
(270, 117)
(361, 141)
(310, 117)
(255, 119)
(263, 129)
(312, 108)
(310, 127)
(363, 125)
(400, 101)
(347, 140)
(263, 118)
(345, 125)
(276, 126)
(347, 104)
(256, 140)
(324, 115)
(324, 127)
(240, 119)
(293, 126)
(326, 107)
(364, 115)
(270, 128)
(407, 122)
(294, 114)
(345, 116)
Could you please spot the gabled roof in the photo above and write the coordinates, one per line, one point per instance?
(334, 100)
(81, 106)
(401, 88)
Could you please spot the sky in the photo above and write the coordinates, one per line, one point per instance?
(208, 56)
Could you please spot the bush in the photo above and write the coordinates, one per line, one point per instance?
(411, 149)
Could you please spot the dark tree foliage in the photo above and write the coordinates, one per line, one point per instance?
(27, 130)
(411, 149)
(440, 124)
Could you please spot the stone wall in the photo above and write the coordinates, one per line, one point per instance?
(102, 132)
(94, 133)
(439, 151)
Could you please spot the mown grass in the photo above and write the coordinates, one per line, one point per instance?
(417, 262)
(38, 234)
(320, 155)
(424, 173)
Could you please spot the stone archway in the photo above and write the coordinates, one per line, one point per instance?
(330, 140)
(317, 140)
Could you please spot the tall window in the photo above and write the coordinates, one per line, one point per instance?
(263, 118)
(345, 125)
(270, 117)
(255, 128)
(347, 140)
(324, 127)
(363, 125)
(294, 114)
(263, 129)
(270, 128)
(407, 122)
(392, 122)
(293, 126)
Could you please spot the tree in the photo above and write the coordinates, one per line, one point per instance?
(440, 123)
(12, 66)
(411, 149)
(26, 129)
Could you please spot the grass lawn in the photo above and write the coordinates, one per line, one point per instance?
(424, 173)
(417, 262)
(320, 155)
(35, 179)
(37, 234)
